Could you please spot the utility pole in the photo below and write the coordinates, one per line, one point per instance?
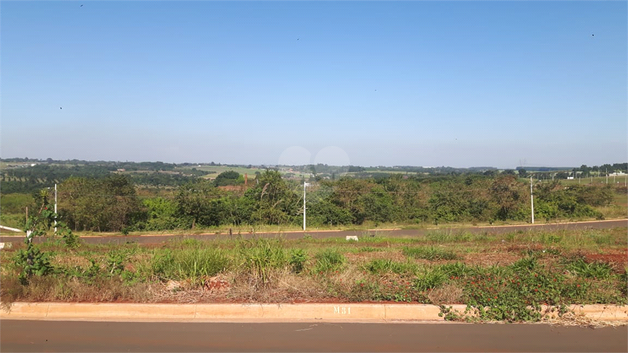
(532, 200)
(606, 175)
(55, 208)
(304, 185)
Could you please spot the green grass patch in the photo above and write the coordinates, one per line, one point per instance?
(429, 253)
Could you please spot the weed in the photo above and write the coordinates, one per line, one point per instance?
(328, 260)
(449, 237)
(449, 314)
(188, 263)
(32, 261)
(429, 253)
(457, 269)
(597, 270)
(368, 249)
(261, 256)
(297, 260)
(429, 279)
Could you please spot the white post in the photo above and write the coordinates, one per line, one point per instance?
(304, 183)
(531, 200)
(606, 175)
(55, 208)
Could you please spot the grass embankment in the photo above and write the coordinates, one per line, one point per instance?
(509, 275)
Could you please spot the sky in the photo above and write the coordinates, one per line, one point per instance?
(438, 83)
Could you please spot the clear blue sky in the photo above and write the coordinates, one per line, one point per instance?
(368, 83)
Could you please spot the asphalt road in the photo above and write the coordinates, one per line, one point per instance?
(156, 239)
(75, 336)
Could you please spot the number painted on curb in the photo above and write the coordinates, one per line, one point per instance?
(341, 310)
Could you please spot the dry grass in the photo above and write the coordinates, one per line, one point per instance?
(449, 293)
(581, 320)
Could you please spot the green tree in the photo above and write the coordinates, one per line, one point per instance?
(195, 203)
(229, 177)
(161, 214)
(106, 204)
(508, 194)
(272, 200)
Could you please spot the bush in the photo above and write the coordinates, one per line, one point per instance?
(297, 260)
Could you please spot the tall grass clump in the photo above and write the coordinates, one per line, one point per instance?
(380, 266)
(329, 260)
(261, 256)
(598, 270)
(430, 278)
(189, 263)
(449, 237)
(457, 269)
(429, 253)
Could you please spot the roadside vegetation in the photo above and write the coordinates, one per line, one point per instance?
(508, 277)
(266, 200)
(499, 277)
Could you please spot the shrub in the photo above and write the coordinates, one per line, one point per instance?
(297, 260)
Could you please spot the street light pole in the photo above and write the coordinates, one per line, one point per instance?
(532, 200)
(55, 208)
(304, 185)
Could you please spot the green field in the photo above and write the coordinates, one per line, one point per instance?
(216, 170)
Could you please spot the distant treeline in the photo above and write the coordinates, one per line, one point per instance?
(583, 170)
(112, 203)
(38, 174)
(32, 178)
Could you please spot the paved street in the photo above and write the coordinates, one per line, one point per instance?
(156, 239)
(75, 336)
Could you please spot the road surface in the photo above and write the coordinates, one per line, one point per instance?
(73, 336)
(156, 239)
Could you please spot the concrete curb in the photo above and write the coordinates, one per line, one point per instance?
(260, 312)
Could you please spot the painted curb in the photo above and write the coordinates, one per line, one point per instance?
(264, 312)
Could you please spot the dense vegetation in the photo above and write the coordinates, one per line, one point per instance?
(115, 203)
(27, 178)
